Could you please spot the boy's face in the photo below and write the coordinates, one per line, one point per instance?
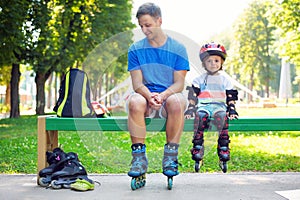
(213, 63)
(150, 25)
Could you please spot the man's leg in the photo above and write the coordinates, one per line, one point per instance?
(137, 107)
(175, 107)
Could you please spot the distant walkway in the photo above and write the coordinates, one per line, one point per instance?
(190, 186)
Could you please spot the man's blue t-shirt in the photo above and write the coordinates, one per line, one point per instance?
(158, 64)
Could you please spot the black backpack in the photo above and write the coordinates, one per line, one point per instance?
(74, 95)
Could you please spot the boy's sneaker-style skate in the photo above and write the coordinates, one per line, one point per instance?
(139, 166)
(170, 162)
(223, 151)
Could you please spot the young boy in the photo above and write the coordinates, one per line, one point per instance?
(215, 102)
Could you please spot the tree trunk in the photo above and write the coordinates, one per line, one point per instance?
(268, 80)
(14, 92)
(251, 86)
(7, 95)
(40, 93)
(49, 98)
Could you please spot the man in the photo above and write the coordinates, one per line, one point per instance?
(158, 65)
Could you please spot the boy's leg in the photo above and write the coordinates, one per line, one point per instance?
(221, 122)
(200, 124)
(223, 150)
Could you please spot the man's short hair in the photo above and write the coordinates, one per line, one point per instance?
(149, 9)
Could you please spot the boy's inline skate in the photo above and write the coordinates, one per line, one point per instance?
(223, 151)
(56, 160)
(170, 162)
(198, 150)
(72, 171)
(139, 166)
(197, 155)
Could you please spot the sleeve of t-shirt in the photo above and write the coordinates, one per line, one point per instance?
(133, 62)
(182, 62)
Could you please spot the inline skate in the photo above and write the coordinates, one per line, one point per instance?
(139, 166)
(223, 151)
(198, 150)
(197, 155)
(56, 160)
(170, 162)
(72, 172)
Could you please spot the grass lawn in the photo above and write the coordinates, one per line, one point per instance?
(109, 152)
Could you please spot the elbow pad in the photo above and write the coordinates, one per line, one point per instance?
(196, 90)
(231, 95)
(191, 94)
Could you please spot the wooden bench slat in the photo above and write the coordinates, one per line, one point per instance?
(120, 124)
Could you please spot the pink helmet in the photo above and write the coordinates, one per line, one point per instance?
(212, 49)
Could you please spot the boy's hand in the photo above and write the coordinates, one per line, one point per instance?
(231, 117)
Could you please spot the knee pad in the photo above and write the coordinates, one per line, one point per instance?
(201, 121)
(221, 120)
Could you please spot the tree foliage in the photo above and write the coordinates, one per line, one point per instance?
(252, 54)
(286, 17)
(55, 35)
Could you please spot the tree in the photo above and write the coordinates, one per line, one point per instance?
(13, 45)
(285, 15)
(253, 43)
(68, 31)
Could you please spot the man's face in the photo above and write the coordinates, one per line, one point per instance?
(150, 26)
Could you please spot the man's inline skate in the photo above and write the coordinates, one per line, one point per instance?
(72, 171)
(223, 151)
(170, 162)
(139, 166)
(56, 160)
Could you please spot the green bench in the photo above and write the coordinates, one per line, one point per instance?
(48, 127)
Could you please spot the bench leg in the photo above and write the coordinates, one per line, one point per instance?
(47, 141)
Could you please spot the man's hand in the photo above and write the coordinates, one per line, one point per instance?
(155, 101)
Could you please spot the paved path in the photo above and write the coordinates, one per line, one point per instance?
(190, 186)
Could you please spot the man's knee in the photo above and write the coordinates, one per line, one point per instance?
(176, 103)
(136, 102)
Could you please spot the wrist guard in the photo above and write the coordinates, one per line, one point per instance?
(231, 95)
(231, 109)
(191, 110)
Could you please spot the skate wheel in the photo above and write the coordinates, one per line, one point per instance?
(55, 185)
(138, 182)
(43, 182)
(170, 183)
(133, 184)
(223, 166)
(197, 167)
